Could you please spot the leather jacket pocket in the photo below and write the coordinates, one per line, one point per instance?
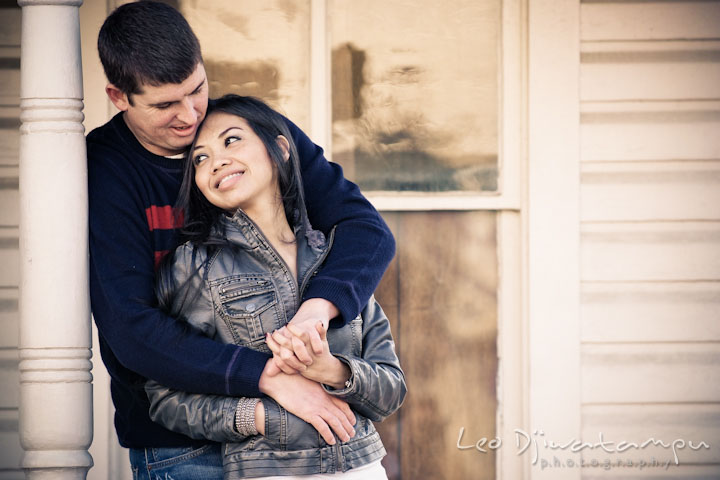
(248, 306)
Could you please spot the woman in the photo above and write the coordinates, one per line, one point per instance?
(239, 277)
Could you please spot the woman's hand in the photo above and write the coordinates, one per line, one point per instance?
(307, 400)
(301, 339)
(324, 367)
(260, 418)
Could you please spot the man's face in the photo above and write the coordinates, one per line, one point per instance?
(164, 119)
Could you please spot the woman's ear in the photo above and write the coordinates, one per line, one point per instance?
(284, 146)
(117, 97)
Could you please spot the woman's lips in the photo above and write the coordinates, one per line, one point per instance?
(229, 180)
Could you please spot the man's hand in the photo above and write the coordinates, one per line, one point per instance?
(302, 331)
(307, 400)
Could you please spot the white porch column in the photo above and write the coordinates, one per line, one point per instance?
(55, 379)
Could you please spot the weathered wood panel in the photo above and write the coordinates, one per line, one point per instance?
(650, 262)
(650, 131)
(650, 191)
(650, 312)
(443, 285)
(9, 135)
(9, 317)
(660, 20)
(387, 294)
(11, 19)
(9, 257)
(9, 197)
(10, 450)
(614, 71)
(654, 251)
(9, 379)
(666, 423)
(638, 472)
(650, 373)
(9, 81)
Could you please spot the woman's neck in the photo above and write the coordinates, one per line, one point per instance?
(275, 227)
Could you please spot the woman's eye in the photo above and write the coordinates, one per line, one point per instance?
(197, 159)
(231, 139)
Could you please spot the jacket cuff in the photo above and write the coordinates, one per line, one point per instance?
(228, 426)
(350, 385)
(273, 421)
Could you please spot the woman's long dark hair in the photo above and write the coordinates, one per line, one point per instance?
(201, 224)
(200, 216)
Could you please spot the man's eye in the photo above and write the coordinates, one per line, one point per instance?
(231, 139)
(163, 106)
(197, 159)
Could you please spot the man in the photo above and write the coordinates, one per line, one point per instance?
(157, 80)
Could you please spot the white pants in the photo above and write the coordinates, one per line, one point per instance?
(371, 471)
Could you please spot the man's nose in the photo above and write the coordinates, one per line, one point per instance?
(188, 115)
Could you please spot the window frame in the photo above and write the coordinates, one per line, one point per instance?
(509, 202)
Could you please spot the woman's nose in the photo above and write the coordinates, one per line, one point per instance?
(219, 161)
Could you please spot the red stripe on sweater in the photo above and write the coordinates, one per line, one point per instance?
(163, 218)
(159, 256)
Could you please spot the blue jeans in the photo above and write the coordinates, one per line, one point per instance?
(177, 463)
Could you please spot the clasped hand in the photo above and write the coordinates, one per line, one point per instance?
(301, 362)
(302, 342)
(295, 350)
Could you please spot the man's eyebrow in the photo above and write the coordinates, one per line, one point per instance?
(197, 89)
(170, 102)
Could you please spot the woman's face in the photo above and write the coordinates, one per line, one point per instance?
(232, 166)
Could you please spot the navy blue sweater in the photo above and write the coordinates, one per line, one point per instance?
(131, 195)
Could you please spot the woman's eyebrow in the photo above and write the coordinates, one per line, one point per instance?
(228, 129)
(220, 135)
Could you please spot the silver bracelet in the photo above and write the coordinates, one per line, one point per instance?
(245, 416)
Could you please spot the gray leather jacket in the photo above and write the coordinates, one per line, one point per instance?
(235, 293)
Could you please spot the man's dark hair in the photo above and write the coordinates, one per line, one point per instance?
(147, 43)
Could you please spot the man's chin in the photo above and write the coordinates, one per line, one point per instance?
(181, 143)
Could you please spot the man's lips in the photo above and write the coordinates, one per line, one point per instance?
(184, 130)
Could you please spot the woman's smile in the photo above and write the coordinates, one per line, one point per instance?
(232, 165)
(232, 178)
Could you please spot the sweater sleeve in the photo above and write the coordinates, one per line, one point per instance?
(122, 274)
(363, 246)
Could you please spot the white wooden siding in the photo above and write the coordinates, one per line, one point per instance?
(650, 232)
(10, 450)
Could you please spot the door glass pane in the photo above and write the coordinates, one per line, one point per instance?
(414, 93)
(256, 48)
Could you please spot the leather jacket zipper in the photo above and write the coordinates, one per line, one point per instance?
(299, 289)
(338, 456)
(316, 265)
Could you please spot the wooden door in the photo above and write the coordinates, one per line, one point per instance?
(441, 296)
